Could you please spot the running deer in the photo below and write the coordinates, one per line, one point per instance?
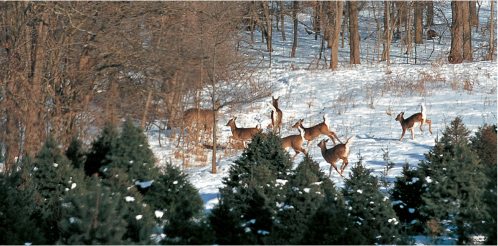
(340, 151)
(202, 117)
(276, 114)
(409, 123)
(295, 142)
(242, 134)
(315, 131)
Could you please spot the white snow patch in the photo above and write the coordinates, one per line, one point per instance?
(130, 199)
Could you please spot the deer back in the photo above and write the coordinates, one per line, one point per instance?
(333, 154)
(409, 122)
(204, 116)
(241, 133)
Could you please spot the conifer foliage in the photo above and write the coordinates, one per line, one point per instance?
(371, 211)
(455, 183)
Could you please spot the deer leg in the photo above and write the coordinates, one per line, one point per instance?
(413, 135)
(308, 144)
(429, 121)
(330, 171)
(402, 134)
(333, 134)
(344, 164)
(297, 153)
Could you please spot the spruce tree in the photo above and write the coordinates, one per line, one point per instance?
(178, 207)
(484, 143)
(93, 216)
(455, 183)
(371, 211)
(305, 192)
(75, 153)
(96, 156)
(18, 224)
(251, 192)
(132, 154)
(51, 175)
(407, 199)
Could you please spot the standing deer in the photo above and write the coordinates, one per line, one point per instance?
(276, 115)
(340, 151)
(202, 117)
(409, 123)
(315, 131)
(242, 134)
(295, 142)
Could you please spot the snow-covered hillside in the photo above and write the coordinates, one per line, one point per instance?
(361, 100)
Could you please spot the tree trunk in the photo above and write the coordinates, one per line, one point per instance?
(335, 33)
(491, 33)
(147, 102)
(474, 17)
(456, 33)
(294, 17)
(268, 26)
(408, 29)
(354, 35)
(419, 28)
(282, 19)
(467, 34)
(429, 21)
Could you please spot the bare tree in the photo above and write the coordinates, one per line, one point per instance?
(467, 34)
(455, 55)
(335, 20)
(418, 17)
(354, 34)
(295, 9)
(491, 33)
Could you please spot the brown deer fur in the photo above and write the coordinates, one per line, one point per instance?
(295, 142)
(340, 151)
(276, 115)
(202, 117)
(315, 131)
(409, 123)
(241, 134)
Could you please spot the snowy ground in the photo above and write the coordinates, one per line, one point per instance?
(357, 100)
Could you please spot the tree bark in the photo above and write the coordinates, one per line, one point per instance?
(491, 33)
(294, 17)
(282, 19)
(419, 28)
(354, 35)
(467, 34)
(455, 55)
(337, 7)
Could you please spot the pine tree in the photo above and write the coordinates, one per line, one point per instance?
(455, 183)
(51, 175)
(93, 216)
(484, 143)
(407, 199)
(251, 192)
(17, 214)
(132, 154)
(75, 153)
(305, 192)
(96, 156)
(177, 203)
(371, 211)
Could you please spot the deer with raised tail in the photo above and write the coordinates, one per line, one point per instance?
(295, 142)
(315, 131)
(340, 151)
(409, 123)
(276, 114)
(242, 134)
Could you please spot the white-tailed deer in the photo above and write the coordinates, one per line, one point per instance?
(202, 117)
(241, 134)
(295, 142)
(409, 123)
(276, 115)
(340, 151)
(315, 131)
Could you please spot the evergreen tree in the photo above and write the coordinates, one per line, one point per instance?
(371, 211)
(51, 175)
(178, 206)
(75, 153)
(132, 154)
(407, 199)
(18, 224)
(251, 192)
(484, 143)
(96, 156)
(305, 192)
(93, 216)
(455, 183)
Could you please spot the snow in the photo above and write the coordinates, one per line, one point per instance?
(159, 213)
(129, 199)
